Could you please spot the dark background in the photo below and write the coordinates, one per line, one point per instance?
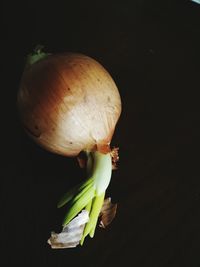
(151, 48)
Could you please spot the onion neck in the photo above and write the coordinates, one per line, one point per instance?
(99, 167)
(36, 56)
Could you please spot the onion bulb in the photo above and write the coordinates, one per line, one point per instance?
(68, 103)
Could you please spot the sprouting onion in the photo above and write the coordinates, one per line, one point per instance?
(68, 104)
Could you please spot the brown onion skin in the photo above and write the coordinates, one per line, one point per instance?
(69, 103)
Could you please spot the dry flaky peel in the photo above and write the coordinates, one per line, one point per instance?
(69, 103)
(71, 234)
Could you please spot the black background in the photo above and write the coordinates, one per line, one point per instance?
(151, 48)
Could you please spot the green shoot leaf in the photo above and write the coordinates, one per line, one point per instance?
(79, 205)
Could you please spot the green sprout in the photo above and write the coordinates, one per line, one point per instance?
(89, 195)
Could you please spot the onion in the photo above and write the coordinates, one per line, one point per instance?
(68, 103)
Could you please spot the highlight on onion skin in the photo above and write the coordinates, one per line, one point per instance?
(69, 104)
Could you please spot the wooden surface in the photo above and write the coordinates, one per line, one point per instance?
(151, 48)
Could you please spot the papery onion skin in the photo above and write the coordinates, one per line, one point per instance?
(69, 103)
